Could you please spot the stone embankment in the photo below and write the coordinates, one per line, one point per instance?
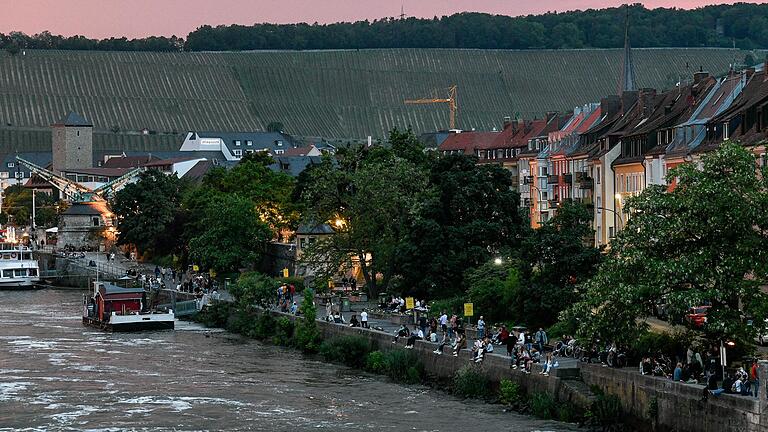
(659, 403)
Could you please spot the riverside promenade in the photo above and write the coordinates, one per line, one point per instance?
(658, 403)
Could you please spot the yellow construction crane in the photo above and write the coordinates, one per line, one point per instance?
(451, 101)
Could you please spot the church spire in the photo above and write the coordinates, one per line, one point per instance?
(628, 70)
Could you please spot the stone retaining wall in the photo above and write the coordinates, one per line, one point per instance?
(680, 407)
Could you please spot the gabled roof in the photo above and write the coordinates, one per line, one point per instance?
(199, 170)
(83, 209)
(468, 141)
(125, 161)
(73, 119)
(321, 229)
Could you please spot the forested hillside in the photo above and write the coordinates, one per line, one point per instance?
(745, 25)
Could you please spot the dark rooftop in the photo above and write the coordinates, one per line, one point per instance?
(73, 119)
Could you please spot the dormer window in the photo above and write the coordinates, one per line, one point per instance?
(238, 153)
(237, 143)
(249, 143)
(11, 164)
(279, 143)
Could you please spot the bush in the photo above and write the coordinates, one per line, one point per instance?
(451, 305)
(605, 412)
(510, 393)
(569, 413)
(283, 331)
(403, 367)
(375, 362)
(307, 336)
(215, 314)
(350, 350)
(468, 382)
(560, 328)
(543, 405)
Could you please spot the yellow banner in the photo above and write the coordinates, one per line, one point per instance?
(195, 268)
(469, 309)
(285, 272)
(409, 302)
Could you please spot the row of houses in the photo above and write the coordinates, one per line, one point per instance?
(604, 152)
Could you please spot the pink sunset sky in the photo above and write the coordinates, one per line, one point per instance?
(138, 18)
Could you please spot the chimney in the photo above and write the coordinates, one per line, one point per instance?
(507, 121)
(647, 95)
(628, 98)
(698, 77)
(610, 105)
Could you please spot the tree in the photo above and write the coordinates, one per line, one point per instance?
(232, 235)
(558, 257)
(307, 336)
(470, 216)
(275, 127)
(254, 289)
(703, 242)
(46, 217)
(148, 212)
(494, 289)
(370, 196)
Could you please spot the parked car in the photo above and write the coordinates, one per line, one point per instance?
(697, 315)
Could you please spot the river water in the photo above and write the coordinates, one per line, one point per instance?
(56, 375)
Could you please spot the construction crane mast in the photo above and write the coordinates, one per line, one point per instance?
(451, 101)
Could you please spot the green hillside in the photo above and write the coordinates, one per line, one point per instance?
(335, 94)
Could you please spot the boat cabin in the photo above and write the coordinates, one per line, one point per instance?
(110, 298)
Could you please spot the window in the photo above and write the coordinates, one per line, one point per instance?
(610, 232)
(303, 243)
(33, 272)
(20, 272)
(4, 174)
(599, 205)
(597, 177)
(238, 153)
(544, 195)
(11, 164)
(543, 172)
(7, 273)
(249, 143)
(237, 143)
(725, 131)
(279, 143)
(279, 151)
(78, 133)
(95, 221)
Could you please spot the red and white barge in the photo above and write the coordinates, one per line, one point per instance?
(118, 309)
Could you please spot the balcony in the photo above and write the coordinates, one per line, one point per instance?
(586, 183)
(553, 203)
(527, 202)
(568, 178)
(579, 176)
(528, 180)
(553, 179)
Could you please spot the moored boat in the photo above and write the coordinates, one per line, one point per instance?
(119, 309)
(18, 267)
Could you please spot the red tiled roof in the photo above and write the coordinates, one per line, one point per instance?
(106, 172)
(163, 162)
(298, 151)
(468, 141)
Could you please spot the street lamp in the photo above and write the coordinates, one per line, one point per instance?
(498, 261)
(618, 199)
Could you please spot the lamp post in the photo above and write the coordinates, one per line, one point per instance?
(618, 199)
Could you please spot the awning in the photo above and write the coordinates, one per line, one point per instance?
(53, 230)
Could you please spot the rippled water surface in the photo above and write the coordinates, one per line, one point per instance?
(56, 374)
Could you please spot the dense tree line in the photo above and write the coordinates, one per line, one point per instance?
(745, 25)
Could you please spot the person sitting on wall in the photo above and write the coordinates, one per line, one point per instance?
(461, 343)
(353, 322)
(417, 334)
(401, 332)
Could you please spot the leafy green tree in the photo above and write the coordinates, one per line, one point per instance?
(307, 336)
(232, 237)
(494, 290)
(470, 216)
(369, 196)
(558, 257)
(46, 217)
(254, 289)
(148, 212)
(703, 242)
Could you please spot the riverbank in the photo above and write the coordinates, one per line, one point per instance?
(650, 403)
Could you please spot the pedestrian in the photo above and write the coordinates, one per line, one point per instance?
(480, 328)
(364, 318)
(353, 322)
(173, 274)
(541, 339)
(417, 334)
(291, 291)
(401, 332)
(157, 271)
(444, 322)
(443, 342)
(753, 374)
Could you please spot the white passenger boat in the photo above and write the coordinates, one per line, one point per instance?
(18, 267)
